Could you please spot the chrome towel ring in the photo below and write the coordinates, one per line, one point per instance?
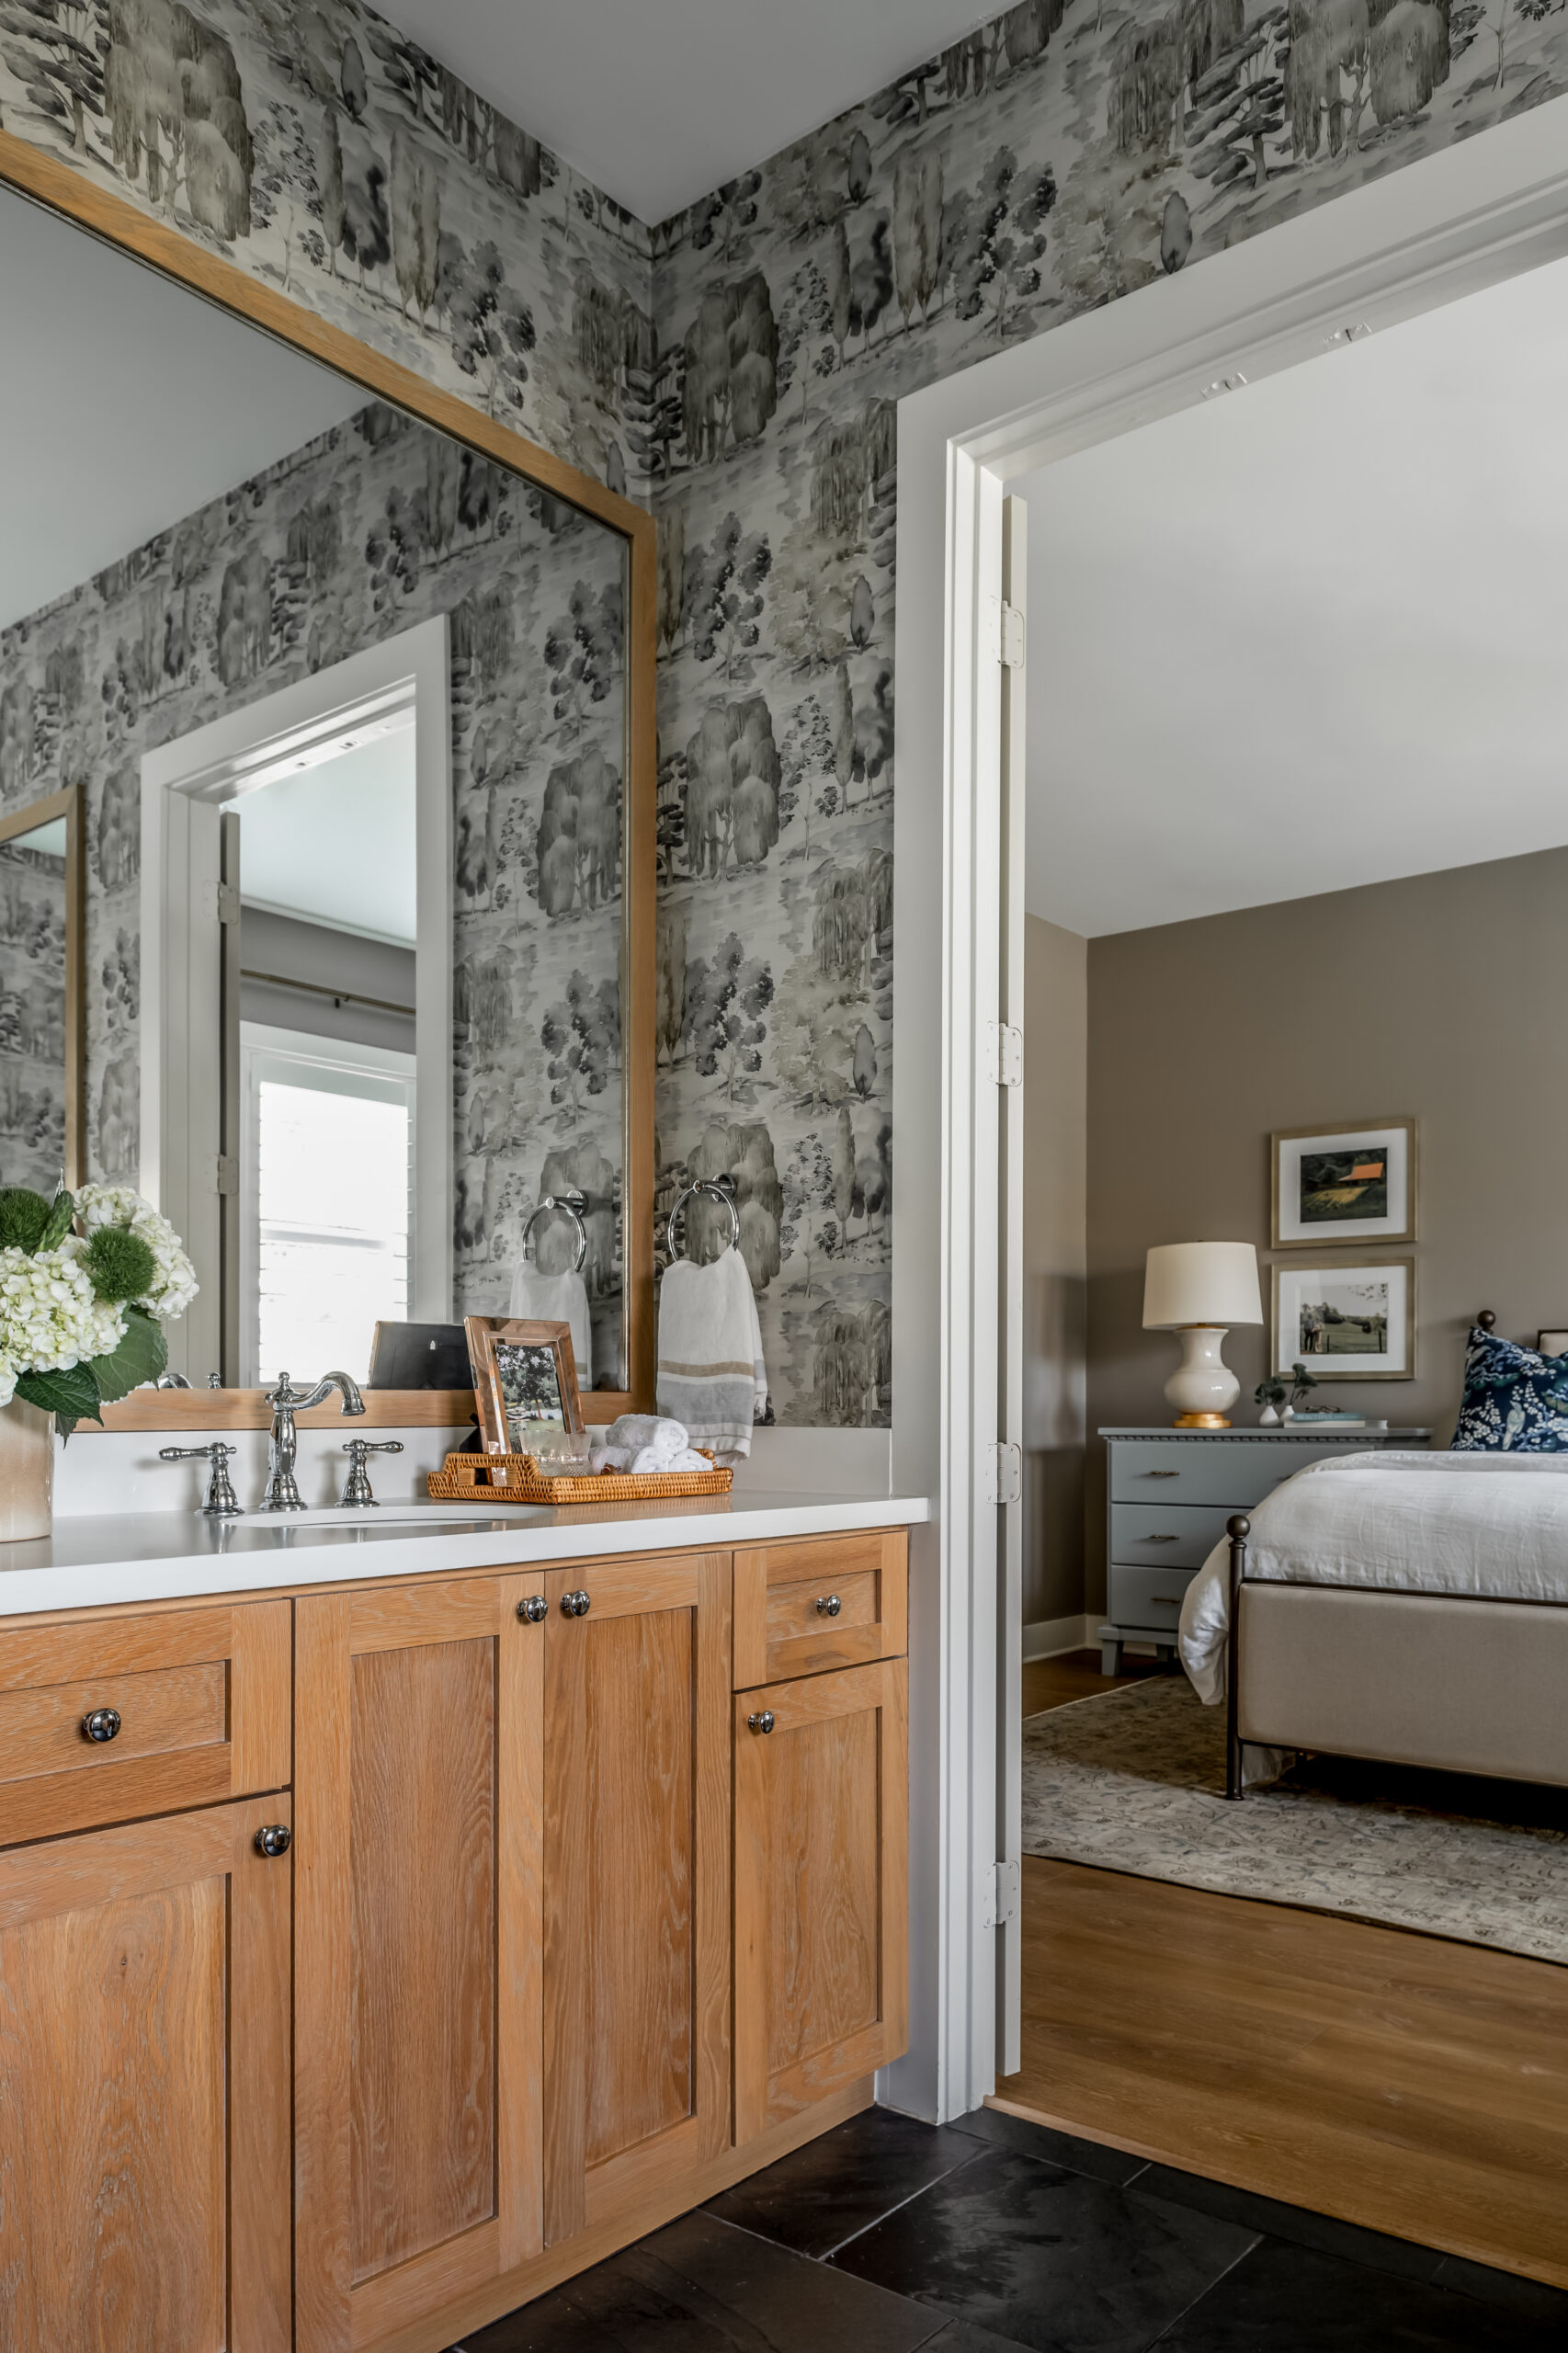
(723, 1189)
(570, 1205)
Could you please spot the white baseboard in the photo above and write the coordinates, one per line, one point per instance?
(1051, 1637)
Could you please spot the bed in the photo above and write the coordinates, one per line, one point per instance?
(1409, 1608)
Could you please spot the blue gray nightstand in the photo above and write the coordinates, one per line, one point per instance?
(1170, 1492)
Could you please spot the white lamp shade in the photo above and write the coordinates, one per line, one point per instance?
(1201, 1282)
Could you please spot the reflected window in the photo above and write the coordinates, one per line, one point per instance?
(327, 1218)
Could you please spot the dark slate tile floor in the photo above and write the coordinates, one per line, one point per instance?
(993, 2234)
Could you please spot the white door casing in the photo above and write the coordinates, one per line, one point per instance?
(1427, 234)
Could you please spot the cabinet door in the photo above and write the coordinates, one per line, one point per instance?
(144, 2089)
(637, 1884)
(821, 1844)
(417, 2016)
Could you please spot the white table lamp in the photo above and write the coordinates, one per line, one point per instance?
(1199, 1289)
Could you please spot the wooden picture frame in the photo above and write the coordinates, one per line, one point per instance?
(489, 1337)
(1298, 1222)
(1338, 1283)
(151, 241)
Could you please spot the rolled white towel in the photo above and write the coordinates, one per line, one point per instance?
(649, 1432)
(610, 1458)
(650, 1459)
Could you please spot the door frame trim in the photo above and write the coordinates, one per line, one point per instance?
(1431, 231)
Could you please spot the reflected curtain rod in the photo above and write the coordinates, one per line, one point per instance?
(319, 988)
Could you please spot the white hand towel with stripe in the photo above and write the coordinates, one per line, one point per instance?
(557, 1299)
(711, 1376)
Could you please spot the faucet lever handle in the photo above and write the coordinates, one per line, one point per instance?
(357, 1496)
(222, 1501)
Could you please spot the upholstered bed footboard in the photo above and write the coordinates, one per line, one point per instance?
(1472, 1687)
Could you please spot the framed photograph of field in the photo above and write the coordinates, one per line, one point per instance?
(1347, 1323)
(1344, 1185)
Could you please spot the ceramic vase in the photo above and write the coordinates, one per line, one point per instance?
(27, 1471)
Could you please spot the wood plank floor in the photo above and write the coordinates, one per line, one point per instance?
(1397, 2081)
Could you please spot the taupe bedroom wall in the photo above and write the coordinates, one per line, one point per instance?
(1056, 1041)
(740, 367)
(1439, 997)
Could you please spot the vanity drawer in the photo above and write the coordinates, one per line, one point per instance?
(780, 1631)
(193, 1706)
(1169, 1536)
(1147, 1597)
(1189, 1471)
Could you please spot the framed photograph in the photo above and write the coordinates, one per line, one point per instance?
(1346, 1323)
(1344, 1185)
(525, 1381)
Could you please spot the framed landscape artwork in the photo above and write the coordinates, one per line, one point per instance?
(1349, 1322)
(1344, 1185)
(525, 1381)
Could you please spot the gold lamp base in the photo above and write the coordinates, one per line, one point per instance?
(1201, 1422)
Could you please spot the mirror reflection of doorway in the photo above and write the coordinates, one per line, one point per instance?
(323, 1028)
(303, 965)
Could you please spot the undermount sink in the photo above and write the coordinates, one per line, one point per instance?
(430, 1517)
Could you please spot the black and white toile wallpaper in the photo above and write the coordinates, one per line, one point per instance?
(375, 526)
(738, 367)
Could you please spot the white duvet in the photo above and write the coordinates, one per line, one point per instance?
(1493, 1525)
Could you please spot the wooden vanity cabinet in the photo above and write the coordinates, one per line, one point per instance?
(417, 2116)
(567, 1939)
(822, 1844)
(637, 1883)
(145, 2088)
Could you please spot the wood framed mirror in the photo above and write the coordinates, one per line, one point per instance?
(352, 731)
(41, 1049)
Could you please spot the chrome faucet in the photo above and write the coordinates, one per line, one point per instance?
(281, 1493)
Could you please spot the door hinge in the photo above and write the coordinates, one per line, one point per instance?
(1006, 632)
(999, 1895)
(1004, 1053)
(1003, 1473)
(226, 1174)
(225, 901)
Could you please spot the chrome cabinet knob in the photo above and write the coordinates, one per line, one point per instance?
(762, 1721)
(100, 1724)
(575, 1605)
(274, 1838)
(533, 1608)
(828, 1605)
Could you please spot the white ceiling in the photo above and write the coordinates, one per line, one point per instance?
(335, 845)
(660, 104)
(125, 404)
(1311, 634)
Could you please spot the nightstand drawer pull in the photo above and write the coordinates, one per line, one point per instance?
(1158, 1474)
(1157, 1540)
(1168, 1600)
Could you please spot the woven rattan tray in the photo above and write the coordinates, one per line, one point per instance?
(466, 1478)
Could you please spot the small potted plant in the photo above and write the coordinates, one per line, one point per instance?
(84, 1282)
(1279, 1399)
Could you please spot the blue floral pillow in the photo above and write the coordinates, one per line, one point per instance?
(1516, 1400)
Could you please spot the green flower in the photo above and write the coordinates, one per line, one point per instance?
(23, 1217)
(120, 1265)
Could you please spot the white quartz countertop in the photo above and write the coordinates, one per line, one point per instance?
(161, 1556)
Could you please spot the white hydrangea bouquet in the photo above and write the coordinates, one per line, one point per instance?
(85, 1280)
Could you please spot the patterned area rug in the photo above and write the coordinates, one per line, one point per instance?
(1133, 1780)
